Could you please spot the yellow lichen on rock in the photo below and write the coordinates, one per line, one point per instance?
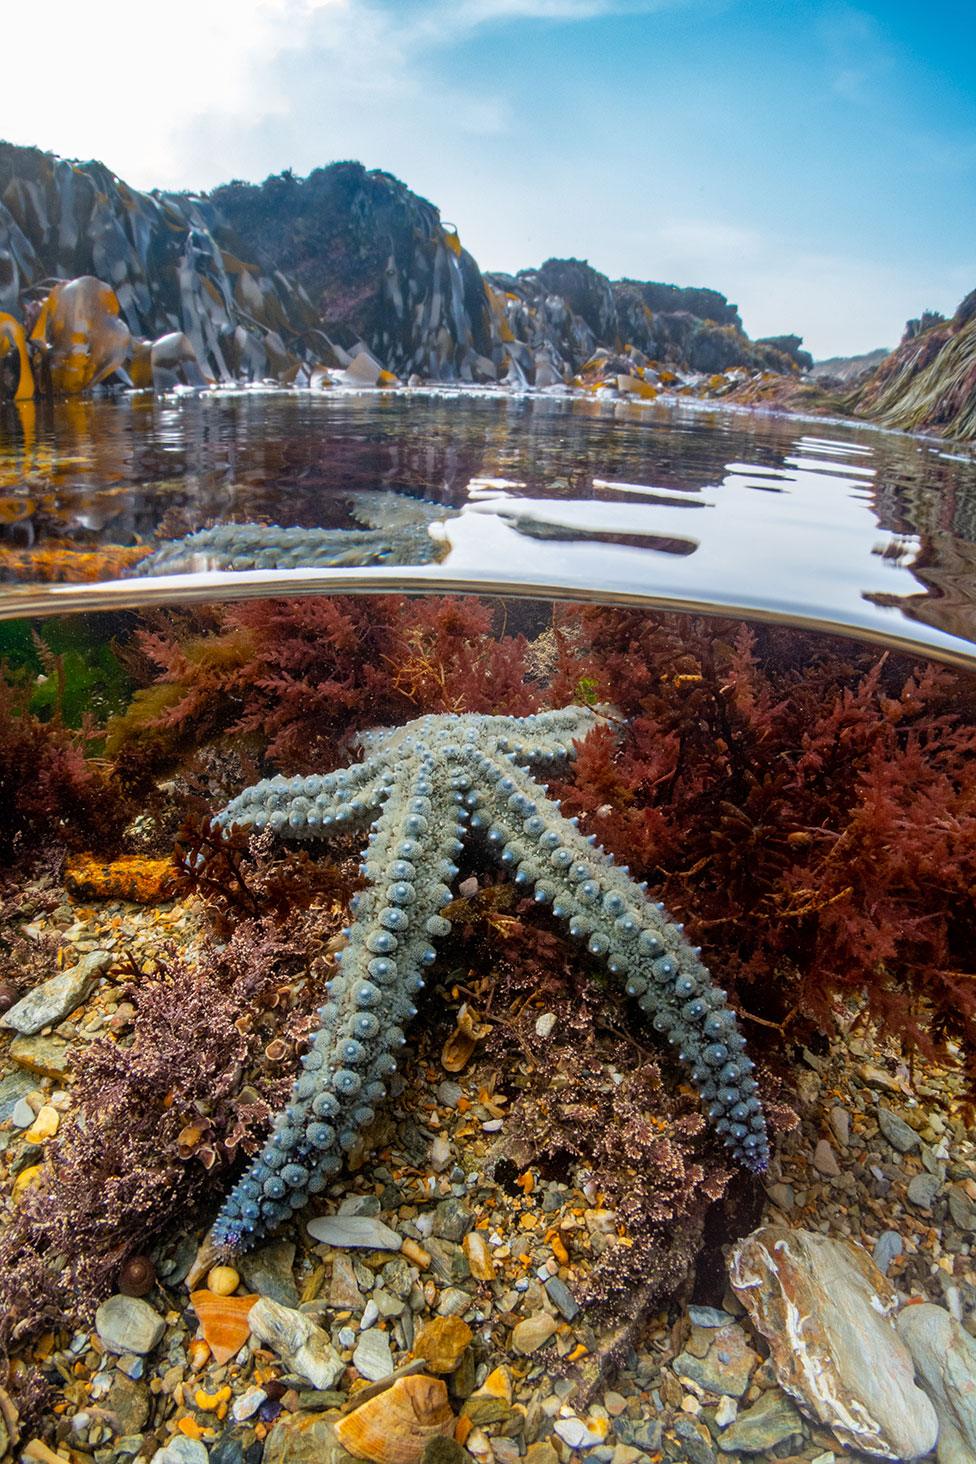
(142, 880)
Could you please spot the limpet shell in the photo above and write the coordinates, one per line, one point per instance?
(395, 1427)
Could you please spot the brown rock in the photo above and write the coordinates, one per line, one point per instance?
(479, 1256)
(825, 1309)
(533, 1332)
(441, 1343)
(304, 1438)
(47, 1056)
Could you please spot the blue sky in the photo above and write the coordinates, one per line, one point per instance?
(814, 161)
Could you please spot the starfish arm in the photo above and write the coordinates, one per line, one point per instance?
(547, 737)
(640, 942)
(409, 863)
(308, 807)
(266, 546)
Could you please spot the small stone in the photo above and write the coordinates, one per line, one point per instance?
(441, 1342)
(562, 1298)
(781, 1195)
(825, 1160)
(899, 1135)
(247, 1404)
(581, 1433)
(13, 1089)
(726, 1411)
(45, 1126)
(615, 1403)
(370, 1313)
(223, 1280)
(51, 1002)
(876, 1077)
(303, 1438)
(129, 1402)
(767, 1423)
(709, 1316)
(961, 1208)
(23, 1114)
(541, 1453)
(46, 1056)
(354, 1232)
(440, 1153)
(452, 1220)
(922, 1190)
(532, 1333)
(449, 1094)
(269, 1272)
(128, 1324)
(840, 1125)
(641, 1433)
(887, 1247)
(372, 1357)
(343, 1288)
(544, 1024)
(181, 1450)
(479, 1256)
(440, 1450)
(720, 1360)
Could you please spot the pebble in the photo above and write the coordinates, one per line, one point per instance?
(767, 1423)
(961, 1208)
(304, 1347)
(726, 1411)
(181, 1450)
(544, 1024)
(372, 1357)
(840, 1125)
(579, 1434)
(45, 1125)
(888, 1246)
(898, 1133)
(825, 1160)
(354, 1232)
(128, 1324)
(442, 1343)
(268, 1272)
(709, 1316)
(479, 1256)
(247, 1404)
(343, 1287)
(562, 1298)
(720, 1360)
(13, 1089)
(533, 1332)
(922, 1190)
(22, 1115)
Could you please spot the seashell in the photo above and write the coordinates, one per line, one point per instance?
(223, 1322)
(137, 1276)
(396, 1426)
(463, 1040)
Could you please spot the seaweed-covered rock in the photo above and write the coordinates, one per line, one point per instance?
(378, 263)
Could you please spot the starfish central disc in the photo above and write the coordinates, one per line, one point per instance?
(420, 788)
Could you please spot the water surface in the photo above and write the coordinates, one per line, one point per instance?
(820, 523)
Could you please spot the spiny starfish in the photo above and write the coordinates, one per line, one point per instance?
(421, 787)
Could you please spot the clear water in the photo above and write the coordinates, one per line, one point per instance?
(817, 523)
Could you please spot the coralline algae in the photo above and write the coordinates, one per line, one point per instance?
(421, 787)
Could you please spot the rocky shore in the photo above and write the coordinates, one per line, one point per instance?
(435, 1312)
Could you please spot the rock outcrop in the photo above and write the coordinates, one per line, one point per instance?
(928, 383)
(344, 271)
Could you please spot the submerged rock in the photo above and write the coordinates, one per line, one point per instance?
(826, 1311)
(945, 1359)
(52, 1001)
(128, 1324)
(301, 1345)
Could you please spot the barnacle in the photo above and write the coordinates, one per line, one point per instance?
(422, 787)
